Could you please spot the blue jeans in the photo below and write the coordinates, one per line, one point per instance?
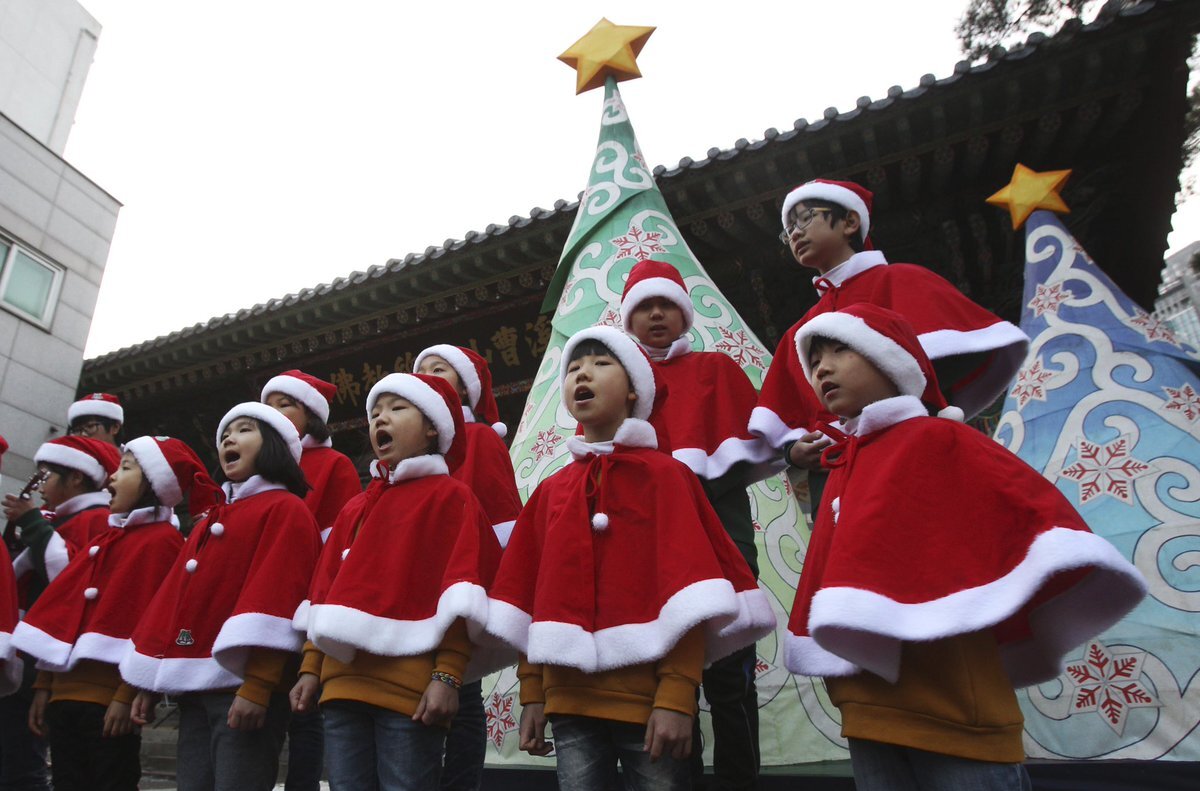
(211, 756)
(368, 748)
(466, 745)
(889, 767)
(589, 748)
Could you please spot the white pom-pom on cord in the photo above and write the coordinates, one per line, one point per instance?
(91, 593)
(500, 429)
(217, 529)
(953, 413)
(599, 521)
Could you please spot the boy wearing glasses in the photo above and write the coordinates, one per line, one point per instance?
(825, 225)
(96, 416)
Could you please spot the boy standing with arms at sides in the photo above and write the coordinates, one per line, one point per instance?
(487, 470)
(619, 584)
(942, 570)
(98, 416)
(708, 407)
(826, 226)
(397, 596)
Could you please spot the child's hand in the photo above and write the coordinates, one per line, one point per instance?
(15, 507)
(37, 712)
(668, 733)
(805, 452)
(533, 730)
(142, 710)
(304, 694)
(246, 715)
(117, 721)
(438, 705)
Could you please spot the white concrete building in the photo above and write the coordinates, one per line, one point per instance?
(1178, 301)
(55, 224)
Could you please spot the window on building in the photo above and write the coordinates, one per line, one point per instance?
(28, 285)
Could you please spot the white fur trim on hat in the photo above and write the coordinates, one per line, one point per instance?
(97, 407)
(887, 355)
(424, 398)
(657, 287)
(631, 357)
(269, 415)
(462, 366)
(815, 190)
(156, 469)
(301, 391)
(64, 456)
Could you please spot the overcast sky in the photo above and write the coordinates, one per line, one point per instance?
(260, 147)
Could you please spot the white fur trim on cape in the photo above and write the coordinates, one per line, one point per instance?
(255, 484)
(833, 193)
(462, 366)
(64, 456)
(1010, 345)
(866, 629)
(628, 353)
(157, 470)
(81, 502)
(852, 266)
(657, 287)
(299, 390)
(883, 414)
(767, 424)
(176, 675)
(265, 414)
(308, 442)
(731, 620)
(755, 451)
(97, 407)
(248, 630)
(59, 657)
(11, 667)
(412, 467)
(423, 397)
(144, 516)
(503, 531)
(55, 556)
(632, 433)
(890, 357)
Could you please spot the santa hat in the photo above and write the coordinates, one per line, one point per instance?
(886, 339)
(172, 469)
(264, 414)
(3, 447)
(846, 194)
(314, 393)
(642, 376)
(95, 459)
(103, 405)
(650, 279)
(476, 377)
(437, 400)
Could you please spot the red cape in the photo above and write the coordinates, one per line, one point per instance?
(709, 401)
(583, 591)
(76, 523)
(92, 607)
(333, 480)
(929, 529)
(948, 324)
(428, 531)
(251, 562)
(487, 471)
(10, 665)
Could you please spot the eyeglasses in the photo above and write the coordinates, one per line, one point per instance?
(86, 429)
(803, 221)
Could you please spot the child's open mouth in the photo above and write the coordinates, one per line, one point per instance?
(583, 393)
(230, 457)
(383, 440)
(828, 387)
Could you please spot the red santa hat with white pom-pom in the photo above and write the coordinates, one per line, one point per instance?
(476, 378)
(886, 339)
(850, 196)
(314, 393)
(172, 469)
(437, 401)
(650, 279)
(105, 405)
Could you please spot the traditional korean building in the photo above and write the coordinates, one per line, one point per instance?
(1107, 100)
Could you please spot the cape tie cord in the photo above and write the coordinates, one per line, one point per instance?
(824, 284)
(375, 490)
(594, 489)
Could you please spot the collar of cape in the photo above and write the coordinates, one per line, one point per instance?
(412, 467)
(885, 414)
(678, 348)
(633, 433)
(144, 516)
(82, 502)
(854, 265)
(255, 484)
(307, 442)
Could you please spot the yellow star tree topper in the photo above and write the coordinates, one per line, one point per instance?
(606, 50)
(1029, 191)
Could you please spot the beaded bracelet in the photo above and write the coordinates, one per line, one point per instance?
(447, 679)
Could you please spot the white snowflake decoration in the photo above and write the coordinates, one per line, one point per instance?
(1108, 685)
(638, 244)
(1031, 384)
(1108, 469)
(610, 319)
(1048, 298)
(739, 346)
(1184, 400)
(500, 719)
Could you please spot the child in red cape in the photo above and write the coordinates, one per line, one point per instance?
(619, 583)
(218, 633)
(706, 415)
(79, 629)
(826, 225)
(942, 570)
(488, 471)
(399, 596)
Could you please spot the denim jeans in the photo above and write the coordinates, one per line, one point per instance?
(211, 756)
(888, 767)
(368, 748)
(466, 744)
(306, 751)
(589, 749)
(86, 760)
(733, 705)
